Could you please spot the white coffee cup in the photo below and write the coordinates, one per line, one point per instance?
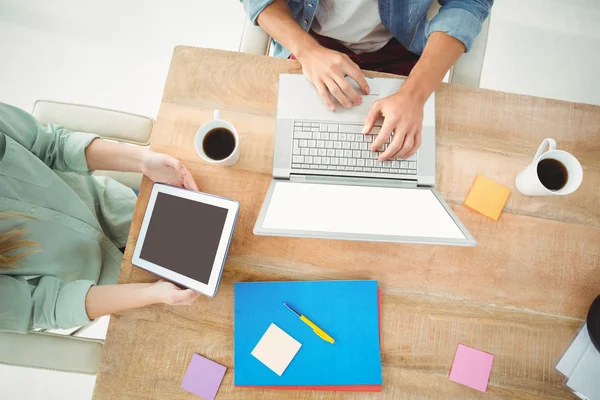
(528, 181)
(217, 122)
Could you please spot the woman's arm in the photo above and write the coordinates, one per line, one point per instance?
(64, 150)
(47, 302)
(57, 147)
(55, 304)
(111, 156)
(110, 299)
(114, 156)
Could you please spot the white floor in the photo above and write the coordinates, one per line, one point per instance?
(546, 48)
(110, 53)
(116, 54)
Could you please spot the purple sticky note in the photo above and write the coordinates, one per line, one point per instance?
(471, 367)
(203, 377)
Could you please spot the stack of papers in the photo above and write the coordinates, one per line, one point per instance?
(274, 348)
(580, 364)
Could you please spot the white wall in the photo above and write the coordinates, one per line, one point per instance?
(547, 48)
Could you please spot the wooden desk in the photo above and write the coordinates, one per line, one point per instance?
(520, 294)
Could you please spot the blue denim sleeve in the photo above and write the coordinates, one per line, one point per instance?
(461, 19)
(255, 7)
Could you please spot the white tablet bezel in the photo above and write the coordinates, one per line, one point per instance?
(232, 207)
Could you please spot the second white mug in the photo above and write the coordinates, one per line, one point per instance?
(529, 183)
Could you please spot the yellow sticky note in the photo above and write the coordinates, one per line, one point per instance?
(487, 197)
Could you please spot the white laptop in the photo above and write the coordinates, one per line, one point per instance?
(327, 183)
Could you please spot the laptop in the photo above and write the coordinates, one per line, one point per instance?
(328, 184)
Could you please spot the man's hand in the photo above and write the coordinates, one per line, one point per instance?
(167, 169)
(403, 115)
(327, 70)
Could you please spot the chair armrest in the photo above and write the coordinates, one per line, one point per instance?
(129, 179)
(109, 124)
(467, 70)
(254, 39)
(51, 351)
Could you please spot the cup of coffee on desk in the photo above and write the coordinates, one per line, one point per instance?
(217, 142)
(552, 172)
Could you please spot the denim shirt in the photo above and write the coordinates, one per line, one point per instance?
(405, 19)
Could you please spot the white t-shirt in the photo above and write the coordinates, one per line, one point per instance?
(355, 23)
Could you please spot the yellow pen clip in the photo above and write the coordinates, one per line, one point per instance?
(320, 332)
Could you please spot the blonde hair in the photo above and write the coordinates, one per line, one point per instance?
(12, 244)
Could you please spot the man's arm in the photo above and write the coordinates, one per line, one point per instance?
(403, 111)
(276, 19)
(441, 52)
(325, 68)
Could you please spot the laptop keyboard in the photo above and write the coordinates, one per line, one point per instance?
(342, 147)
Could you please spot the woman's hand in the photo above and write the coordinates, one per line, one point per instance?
(164, 168)
(168, 293)
(108, 299)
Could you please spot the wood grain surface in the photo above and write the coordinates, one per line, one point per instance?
(520, 294)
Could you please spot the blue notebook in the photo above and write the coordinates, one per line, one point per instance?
(346, 310)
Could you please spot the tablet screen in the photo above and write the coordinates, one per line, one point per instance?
(183, 236)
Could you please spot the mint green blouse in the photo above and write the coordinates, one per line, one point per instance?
(80, 222)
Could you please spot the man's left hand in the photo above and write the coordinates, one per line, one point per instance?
(403, 115)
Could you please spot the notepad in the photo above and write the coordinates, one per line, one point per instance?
(346, 310)
(471, 367)
(573, 354)
(487, 197)
(203, 377)
(276, 349)
(585, 378)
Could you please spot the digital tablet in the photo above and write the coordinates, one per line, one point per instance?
(185, 237)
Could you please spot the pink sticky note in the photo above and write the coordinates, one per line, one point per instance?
(203, 377)
(471, 367)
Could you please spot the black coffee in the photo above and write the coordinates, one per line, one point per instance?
(218, 143)
(552, 173)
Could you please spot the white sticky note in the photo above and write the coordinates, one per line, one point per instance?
(585, 378)
(276, 349)
(572, 355)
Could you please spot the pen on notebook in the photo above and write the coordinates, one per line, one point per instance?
(320, 332)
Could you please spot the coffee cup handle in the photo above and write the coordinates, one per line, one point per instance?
(217, 114)
(551, 143)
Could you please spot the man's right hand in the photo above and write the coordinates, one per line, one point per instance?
(327, 70)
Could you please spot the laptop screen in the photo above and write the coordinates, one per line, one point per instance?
(416, 213)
